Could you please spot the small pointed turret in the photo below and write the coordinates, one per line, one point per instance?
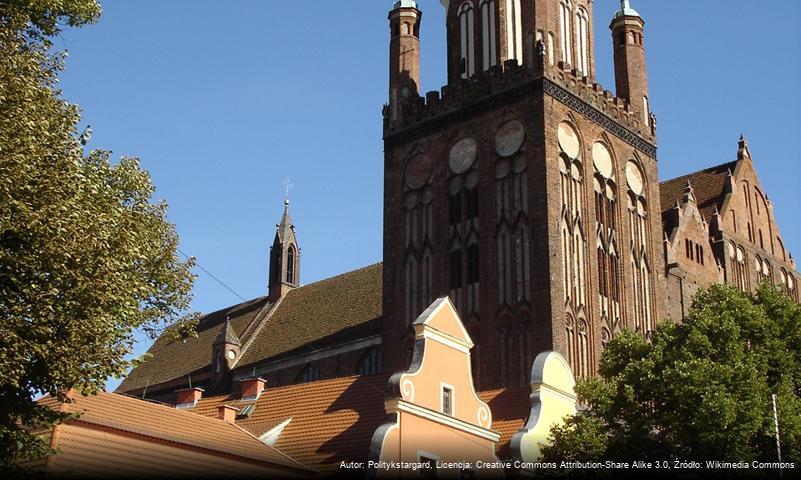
(284, 258)
(226, 349)
(743, 151)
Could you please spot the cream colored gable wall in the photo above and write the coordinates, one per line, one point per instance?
(552, 399)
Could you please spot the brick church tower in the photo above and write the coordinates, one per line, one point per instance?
(522, 189)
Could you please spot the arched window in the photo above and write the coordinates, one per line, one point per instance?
(606, 214)
(467, 39)
(514, 30)
(640, 235)
(370, 363)
(488, 35)
(310, 373)
(739, 272)
(573, 235)
(290, 265)
(583, 25)
(565, 30)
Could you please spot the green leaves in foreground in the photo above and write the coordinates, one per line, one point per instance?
(86, 257)
(699, 390)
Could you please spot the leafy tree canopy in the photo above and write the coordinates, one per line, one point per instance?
(699, 390)
(86, 257)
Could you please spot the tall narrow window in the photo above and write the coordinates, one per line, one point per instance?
(290, 265)
(583, 25)
(447, 400)
(514, 30)
(565, 30)
(640, 236)
(488, 36)
(467, 39)
(606, 215)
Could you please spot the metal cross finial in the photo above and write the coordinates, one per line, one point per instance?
(287, 187)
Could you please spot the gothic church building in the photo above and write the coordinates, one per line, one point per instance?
(524, 191)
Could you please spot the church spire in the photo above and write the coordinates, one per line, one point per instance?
(284, 258)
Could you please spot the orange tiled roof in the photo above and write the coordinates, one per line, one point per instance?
(116, 432)
(332, 420)
(318, 314)
(510, 408)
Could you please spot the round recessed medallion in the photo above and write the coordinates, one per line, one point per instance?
(634, 178)
(568, 140)
(731, 249)
(418, 171)
(463, 155)
(509, 138)
(602, 159)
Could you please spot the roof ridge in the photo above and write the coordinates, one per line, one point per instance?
(703, 170)
(339, 275)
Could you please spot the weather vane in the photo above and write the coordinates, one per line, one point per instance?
(287, 187)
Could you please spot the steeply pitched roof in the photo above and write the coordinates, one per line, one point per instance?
(709, 186)
(337, 309)
(166, 427)
(172, 359)
(332, 420)
(318, 311)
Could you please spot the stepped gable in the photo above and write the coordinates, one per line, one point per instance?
(709, 187)
(314, 314)
(171, 359)
(139, 436)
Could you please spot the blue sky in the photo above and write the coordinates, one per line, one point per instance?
(223, 100)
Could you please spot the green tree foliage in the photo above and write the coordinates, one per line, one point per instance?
(86, 257)
(699, 390)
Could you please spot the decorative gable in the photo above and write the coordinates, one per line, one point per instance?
(435, 400)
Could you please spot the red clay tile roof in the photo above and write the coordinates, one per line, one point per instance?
(709, 186)
(510, 408)
(332, 420)
(131, 425)
(313, 315)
